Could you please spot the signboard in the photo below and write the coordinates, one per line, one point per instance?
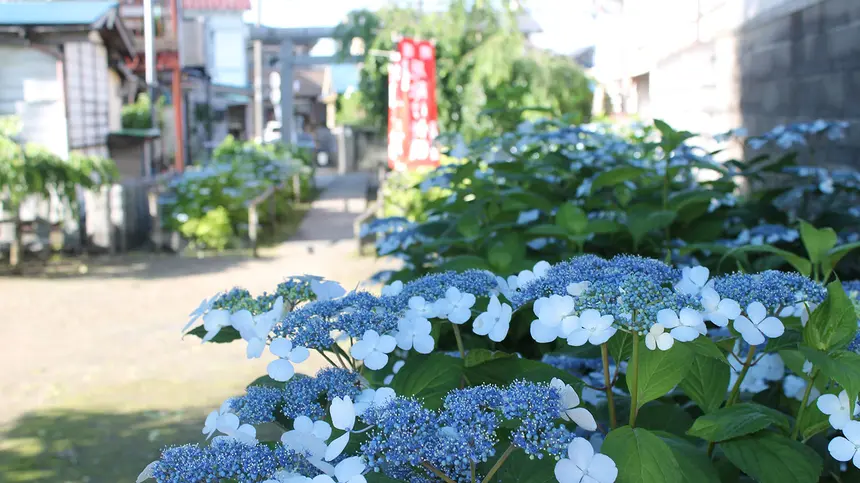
(413, 121)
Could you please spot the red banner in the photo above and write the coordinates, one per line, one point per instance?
(413, 121)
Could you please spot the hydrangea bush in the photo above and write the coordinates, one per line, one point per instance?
(589, 370)
(208, 205)
(551, 190)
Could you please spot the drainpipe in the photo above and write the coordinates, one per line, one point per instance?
(176, 85)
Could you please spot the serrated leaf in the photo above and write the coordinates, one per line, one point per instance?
(770, 458)
(695, 464)
(641, 457)
(706, 382)
(708, 348)
(477, 357)
(737, 420)
(464, 262)
(833, 324)
(660, 371)
(428, 377)
(841, 366)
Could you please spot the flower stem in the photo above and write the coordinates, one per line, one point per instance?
(327, 358)
(437, 472)
(803, 402)
(736, 389)
(607, 383)
(472, 468)
(498, 464)
(459, 338)
(633, 374)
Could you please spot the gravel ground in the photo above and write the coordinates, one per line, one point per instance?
(109, 341)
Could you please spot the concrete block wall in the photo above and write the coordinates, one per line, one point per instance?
(761, 63)
(801, 65)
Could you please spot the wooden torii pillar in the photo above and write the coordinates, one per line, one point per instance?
(287, 38)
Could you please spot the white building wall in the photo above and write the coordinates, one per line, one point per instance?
(31, 88)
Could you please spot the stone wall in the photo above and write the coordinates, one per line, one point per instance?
(761, 63)
(803, 65)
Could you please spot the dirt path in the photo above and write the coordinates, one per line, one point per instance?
(110, 342)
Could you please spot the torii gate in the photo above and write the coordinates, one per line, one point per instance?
(286, 38)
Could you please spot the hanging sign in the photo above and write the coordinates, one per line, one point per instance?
(413, 121)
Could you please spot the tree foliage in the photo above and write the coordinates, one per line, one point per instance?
(488, 77)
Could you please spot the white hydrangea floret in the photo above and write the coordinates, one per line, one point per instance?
(570, 410)
(756, 326)
(342, 417)
(840, 408)
(590, 327)
(719, 310)
(414, 333)
(847, 447)
(550, 312)
(456, 306)
(684, 326)
(373, 349)
(694, 280)
(657, 337)
(495, 322)
(307, 437)
(282, 369)
(583, 465)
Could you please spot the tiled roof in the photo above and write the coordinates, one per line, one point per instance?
(235, 5)
(54, 13)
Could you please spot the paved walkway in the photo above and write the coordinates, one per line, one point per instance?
(109, 338)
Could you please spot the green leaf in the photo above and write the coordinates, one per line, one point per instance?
(770, 458)
(532, 200)
(620, 346)
(520, 468)
(839, 252)
(841, 366)
(817, 241)
(660, 371)
(503, 371)
(571, 218)
(226, 334)
(737, 420)
(639, 224)
(799, 263)
(603, 226)
(266, 381)
(694, 463)
(707, 348)
(663, 416)
(616, 176)
(706, 382)
(428, 377)
(469, 225)
(477, 357)
(378, 477)
(547, 230)
(641, 457)
(833, 324)
(464, 262)
(506, 252)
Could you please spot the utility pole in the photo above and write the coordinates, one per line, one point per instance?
(258, 78)
(151, 78)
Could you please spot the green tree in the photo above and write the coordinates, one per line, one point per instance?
(486, 71)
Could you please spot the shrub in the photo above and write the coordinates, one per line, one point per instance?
(209, 204)
(623, 369)
(551, 190)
